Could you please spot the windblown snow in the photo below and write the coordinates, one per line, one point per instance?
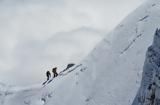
(109, 75)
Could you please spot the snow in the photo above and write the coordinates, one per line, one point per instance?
(35, 56)
(109, 75)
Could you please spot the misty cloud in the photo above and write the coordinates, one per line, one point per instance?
(36, 35)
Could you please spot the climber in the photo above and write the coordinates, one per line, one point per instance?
(70, 65)
(54, 71)
(48, 74)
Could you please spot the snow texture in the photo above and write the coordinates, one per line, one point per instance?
(109, 75)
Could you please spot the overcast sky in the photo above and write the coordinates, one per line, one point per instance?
(36, 35)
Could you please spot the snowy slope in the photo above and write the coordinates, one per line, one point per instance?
(110, 74)
(41, 55)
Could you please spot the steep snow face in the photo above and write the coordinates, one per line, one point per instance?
(118, 68)
(111, 73)
(40, 55)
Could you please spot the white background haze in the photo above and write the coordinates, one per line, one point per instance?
(36, 35)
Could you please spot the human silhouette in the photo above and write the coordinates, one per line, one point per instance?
(48, 74)
(70, 65)
(54, 71)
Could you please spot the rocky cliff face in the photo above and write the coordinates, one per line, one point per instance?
(149, 92)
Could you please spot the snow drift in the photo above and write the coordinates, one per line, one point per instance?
(110, 74)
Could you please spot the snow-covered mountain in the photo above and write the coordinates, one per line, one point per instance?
(110, 74)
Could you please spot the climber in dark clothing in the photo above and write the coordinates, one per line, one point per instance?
(48, 74)
(54, 71)
(70, 65)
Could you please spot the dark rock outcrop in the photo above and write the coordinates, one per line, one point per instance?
(149, 92)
